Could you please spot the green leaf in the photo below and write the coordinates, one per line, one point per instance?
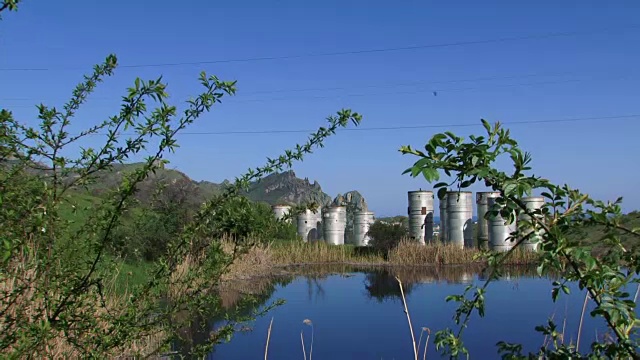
(422, 162)
(442, 192)
(509, 188)
(430, 174)
(440, 184)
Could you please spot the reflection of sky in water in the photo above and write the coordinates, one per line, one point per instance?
(360, 316)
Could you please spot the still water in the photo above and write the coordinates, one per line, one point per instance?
(358, 314)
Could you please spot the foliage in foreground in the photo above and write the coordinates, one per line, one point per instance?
(56, 278)
(608, 279)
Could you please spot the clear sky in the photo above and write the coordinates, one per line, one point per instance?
(592, 74)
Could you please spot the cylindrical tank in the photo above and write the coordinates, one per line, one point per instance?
(280, 211)
(308, 226)
(421, 215)
(318, 220)
(532, 203)
(499, 231)
(362, 221)
(334, 222)
(482, 201)
(460, 218)
(443, 219)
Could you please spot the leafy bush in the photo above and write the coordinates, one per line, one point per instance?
(607, 279)
(385, 237)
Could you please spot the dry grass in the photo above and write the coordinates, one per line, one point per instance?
(28, 307)
(407, 253)
(411, 253)
(318, 253)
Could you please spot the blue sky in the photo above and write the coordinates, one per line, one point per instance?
(593, 74)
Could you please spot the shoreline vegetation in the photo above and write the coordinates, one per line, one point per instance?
(253, 272)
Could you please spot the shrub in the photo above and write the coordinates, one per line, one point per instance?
(385, 237)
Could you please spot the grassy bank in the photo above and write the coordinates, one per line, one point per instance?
(262, 260)
(406, 254)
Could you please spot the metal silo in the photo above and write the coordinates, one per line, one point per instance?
(443, 219)
(460, 218)
(482, 200)
(334, 222)
(308, 226)
(532, 203)
(280, 211)
(318, 221)
(499, 231)
(362, 221)
(421, 215)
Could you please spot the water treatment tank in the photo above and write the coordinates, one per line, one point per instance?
(443, 219)
(308, 226)
(532, 203)
(334, 222)
(482, 201)
(499, 231)
(280, 211)
(318, 220)
(421, 215)
(460, 218)
(362, 221)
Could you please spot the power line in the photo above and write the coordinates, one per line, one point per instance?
(433, 90)
(413, 92)
(352, 52)
(372, 86)
(408, 127)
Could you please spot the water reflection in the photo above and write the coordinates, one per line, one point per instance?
(381, 283)
(242, 298)
(237, 301)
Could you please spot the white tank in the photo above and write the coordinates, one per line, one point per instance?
(499, 231)
(443, 219)
(280, 211)
(318, 220)
(482, 202)
(334, 223)
(532, 203)
(362, 221)
(460, 218)
(308, 226)
(421, 215)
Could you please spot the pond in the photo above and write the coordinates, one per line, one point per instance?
(358, 314)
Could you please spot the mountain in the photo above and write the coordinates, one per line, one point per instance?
(276, 188)
(287, 188)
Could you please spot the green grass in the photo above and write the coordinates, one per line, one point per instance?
(593, 237)
(131, 274)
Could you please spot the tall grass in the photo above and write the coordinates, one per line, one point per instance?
(293, 253)
(407, 253)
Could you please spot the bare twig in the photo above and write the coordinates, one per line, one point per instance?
(426, 343)
(584, 308)
(266, 347)
(406, 311)
(304, 352)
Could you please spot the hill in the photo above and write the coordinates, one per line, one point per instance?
(287, 188)
(276, 188)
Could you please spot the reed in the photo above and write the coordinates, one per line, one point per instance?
(407, 253)
(292, 253)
